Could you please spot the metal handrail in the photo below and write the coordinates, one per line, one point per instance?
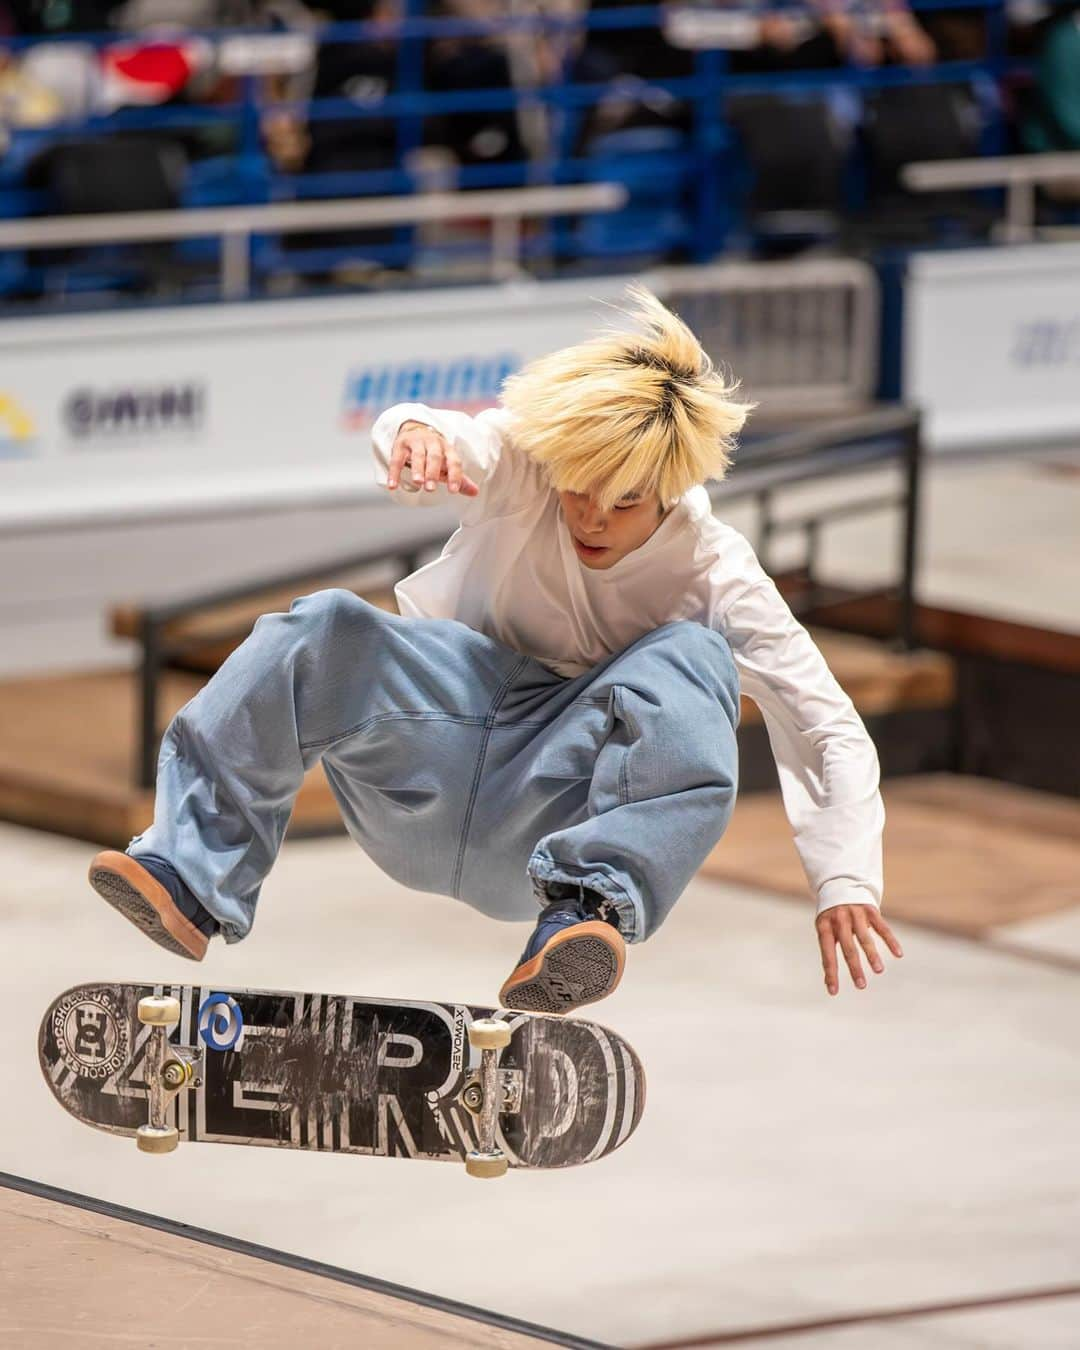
(505, 208)
(1018, 174)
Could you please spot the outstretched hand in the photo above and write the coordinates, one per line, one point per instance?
(431, 459)
(850, 927)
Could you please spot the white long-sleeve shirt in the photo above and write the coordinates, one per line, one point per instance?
(510, 571)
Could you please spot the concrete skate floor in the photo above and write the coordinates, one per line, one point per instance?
(803, 1161)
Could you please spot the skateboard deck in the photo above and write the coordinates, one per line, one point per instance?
(339, 1073)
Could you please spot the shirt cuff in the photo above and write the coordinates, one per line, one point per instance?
(844, 891)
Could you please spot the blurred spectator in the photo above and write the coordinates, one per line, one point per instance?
(146, 73)
(828, 33)
(137, 15)
(627, 60)
(363, 72)
(1054, 123)
(817, 34)
(958, 34)
(140, 15)
(641, 51)
(877, 31)
(64, 84)
(486, 136)
(34, 18)
(72, 81)
(26, 100)
(1054, 119)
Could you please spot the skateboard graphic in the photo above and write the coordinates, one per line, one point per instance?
(439, 1081)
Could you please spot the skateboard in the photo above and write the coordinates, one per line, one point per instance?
(336, 1073)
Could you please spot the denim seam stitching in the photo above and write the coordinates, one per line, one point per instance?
(457, 718)
(540, 721)
(489, 727)
(392, 717)
(624, 767)
(597, 701)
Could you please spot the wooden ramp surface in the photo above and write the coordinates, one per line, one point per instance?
(67, 756)
(74, 1277)
(961, 854)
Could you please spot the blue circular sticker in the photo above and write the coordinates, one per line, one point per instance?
(221, 1023)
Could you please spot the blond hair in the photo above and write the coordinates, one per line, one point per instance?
(627, 414)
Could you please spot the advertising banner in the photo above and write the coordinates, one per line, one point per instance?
(992, 344)
(211, 408)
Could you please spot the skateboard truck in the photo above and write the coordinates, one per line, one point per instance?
(483, 1096)
(168, 1069)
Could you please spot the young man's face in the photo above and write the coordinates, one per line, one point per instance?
(602, 538)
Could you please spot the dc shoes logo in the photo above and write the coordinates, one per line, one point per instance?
(90, 1034)
(221, 1023)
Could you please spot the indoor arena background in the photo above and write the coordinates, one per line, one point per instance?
(231, 233)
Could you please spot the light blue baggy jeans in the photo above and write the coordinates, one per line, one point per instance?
(460, 766)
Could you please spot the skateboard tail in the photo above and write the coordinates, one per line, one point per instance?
(86, 1048)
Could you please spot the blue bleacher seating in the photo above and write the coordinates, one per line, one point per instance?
(686, 188)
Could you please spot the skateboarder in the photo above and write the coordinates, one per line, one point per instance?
(547, 729)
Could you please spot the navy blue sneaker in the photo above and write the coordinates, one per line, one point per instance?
(150, 893)
(575, 955)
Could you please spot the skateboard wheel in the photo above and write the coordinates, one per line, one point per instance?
(486, 1033)
(486, 1164)
(152, 1140)
(159, 1010)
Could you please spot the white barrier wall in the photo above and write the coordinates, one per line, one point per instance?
(992, 344)
(203, 408)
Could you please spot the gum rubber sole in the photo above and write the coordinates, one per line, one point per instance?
(577, 966)
(143, 901)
